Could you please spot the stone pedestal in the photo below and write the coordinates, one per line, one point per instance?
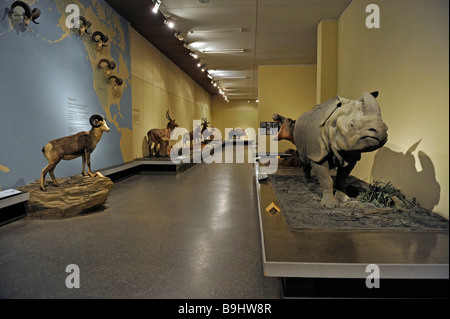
(76, 195)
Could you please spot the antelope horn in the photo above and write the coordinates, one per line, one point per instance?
(168, 116)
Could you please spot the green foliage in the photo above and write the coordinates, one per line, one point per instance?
(384, 195)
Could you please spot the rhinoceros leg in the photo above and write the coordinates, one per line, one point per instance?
(307, 171)
(341, 176)
(326, 182)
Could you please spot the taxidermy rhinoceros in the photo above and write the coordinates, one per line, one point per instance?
(334, 134)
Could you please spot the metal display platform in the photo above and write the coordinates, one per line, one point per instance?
(307, 260)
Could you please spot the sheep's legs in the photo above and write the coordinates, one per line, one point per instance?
(49, 168)
(87, 157)
(83, 172)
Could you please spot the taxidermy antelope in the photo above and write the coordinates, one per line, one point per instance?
(110, 65)
(156, 135)
(72, 146)
(196, 134)
(28, 14)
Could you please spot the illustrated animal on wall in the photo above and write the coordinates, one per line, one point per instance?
(195, 135)
(72, 146)
(27, 15)
(100, 39)
(334, 134)
(155, 136)
(83, 25)
(108, 65)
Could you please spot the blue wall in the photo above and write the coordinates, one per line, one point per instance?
(41, 70)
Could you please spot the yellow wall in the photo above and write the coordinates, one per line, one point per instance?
(289, 90)
(159, 85)
(233, 114)
(406, 60)
(327, 45)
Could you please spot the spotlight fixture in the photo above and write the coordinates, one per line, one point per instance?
(169, 23)
(186, 45)
(192, 54)
(156, 6)
(178, 36)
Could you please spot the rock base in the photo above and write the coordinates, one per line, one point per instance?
(76, 195)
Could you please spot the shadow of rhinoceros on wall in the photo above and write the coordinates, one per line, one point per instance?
(400, 169)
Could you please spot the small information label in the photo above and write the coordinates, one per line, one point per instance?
(77, 115)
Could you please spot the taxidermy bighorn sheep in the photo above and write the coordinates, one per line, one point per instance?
(196, 134)
(83, 25)
(28, 14)
(70, 147)
(334, 134)
(99, 38)
(110, 65)
(117, 81)
(156, 135)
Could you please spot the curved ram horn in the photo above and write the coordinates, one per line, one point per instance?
(119, 81)
(94, 118)
(86, 24)
(101, 38)
(95, 34)
(24, 6)
(111, 65)
(101, 61)
(35, 14)
(104, 40)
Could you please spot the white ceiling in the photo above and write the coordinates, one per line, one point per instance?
(273, 32)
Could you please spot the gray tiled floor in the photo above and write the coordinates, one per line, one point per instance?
(161, 235)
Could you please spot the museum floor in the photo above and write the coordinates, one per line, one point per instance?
(161, 235)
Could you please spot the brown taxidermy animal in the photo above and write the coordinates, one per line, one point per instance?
(156, 135)
(72, 146)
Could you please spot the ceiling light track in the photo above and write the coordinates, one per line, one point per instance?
(224, 51)
(228, 30)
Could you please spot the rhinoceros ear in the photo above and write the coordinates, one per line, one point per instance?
(370, 104)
